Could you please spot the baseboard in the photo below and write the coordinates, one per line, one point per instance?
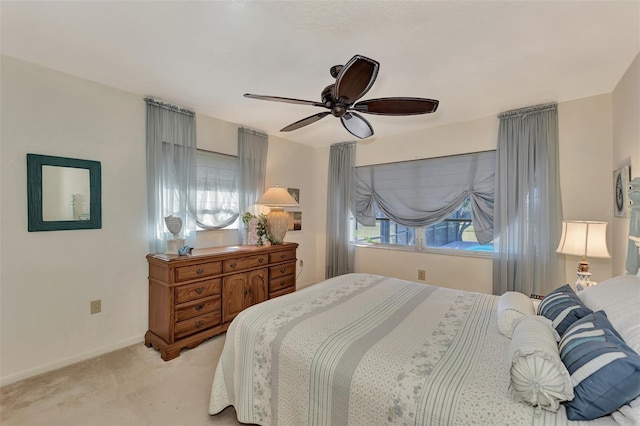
(12, 378)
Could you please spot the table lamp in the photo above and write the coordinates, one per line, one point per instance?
(277, 220)
(583, 238)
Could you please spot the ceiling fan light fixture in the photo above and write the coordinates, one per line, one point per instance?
(353, 81)
(357, 125)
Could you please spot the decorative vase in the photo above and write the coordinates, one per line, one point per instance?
(252, 231)
(174, 225)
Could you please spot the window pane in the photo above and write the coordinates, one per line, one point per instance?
(217, 198)
(385, 231)
(456, 232)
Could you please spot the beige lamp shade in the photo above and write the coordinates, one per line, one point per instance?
(584, 238)
(277, 197)
(277, 220)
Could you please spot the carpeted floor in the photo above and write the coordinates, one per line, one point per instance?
(131, 386)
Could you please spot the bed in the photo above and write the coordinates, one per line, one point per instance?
(363, 349)
(411, 354)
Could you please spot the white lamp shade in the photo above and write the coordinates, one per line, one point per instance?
(584, 238)
(277, 197)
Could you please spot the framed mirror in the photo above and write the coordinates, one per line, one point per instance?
(63, 193)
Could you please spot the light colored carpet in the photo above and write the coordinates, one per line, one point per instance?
(131, 386)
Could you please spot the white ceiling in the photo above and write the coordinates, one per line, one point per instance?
(478, 58)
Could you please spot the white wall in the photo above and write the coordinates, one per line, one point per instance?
(626, 149)
(47, 279)
(586, 178)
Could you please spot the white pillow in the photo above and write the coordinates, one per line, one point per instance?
(512, 306)
(619, 297)
(538, 376)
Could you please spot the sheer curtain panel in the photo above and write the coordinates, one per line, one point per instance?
(528, 213)
(340, 208)
(425, 192)
(252, 169)
(171, 171)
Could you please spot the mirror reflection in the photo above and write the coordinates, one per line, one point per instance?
(65, 193)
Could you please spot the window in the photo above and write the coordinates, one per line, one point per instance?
(217, 195)
(442, 203)
(453, 233)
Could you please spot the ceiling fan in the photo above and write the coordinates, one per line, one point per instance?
(353, 81)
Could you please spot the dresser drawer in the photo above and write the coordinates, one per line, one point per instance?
(281, 283)
(282, 256)
(196, 324)
(188, 292)
(201, 270)
(233, 265)
(282, 292)
(197, 307)
(282, 270)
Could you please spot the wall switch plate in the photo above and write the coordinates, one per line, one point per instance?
(421, 274)
(96, 306)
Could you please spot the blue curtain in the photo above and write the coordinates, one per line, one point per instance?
(340, 208)
(252, 169)
(528, 203)
(171, 171)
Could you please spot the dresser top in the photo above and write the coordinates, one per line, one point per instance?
(222, 251)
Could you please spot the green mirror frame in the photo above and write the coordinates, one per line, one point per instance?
(36, 223)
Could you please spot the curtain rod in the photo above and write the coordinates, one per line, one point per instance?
(427, 158)
(171, 107)
(254, 132)
(340, 144)
(528, 110)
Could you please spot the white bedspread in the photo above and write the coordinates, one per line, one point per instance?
(371, 350)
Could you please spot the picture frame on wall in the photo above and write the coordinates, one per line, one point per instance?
(295, 221)
(620, 191)
(295, 193)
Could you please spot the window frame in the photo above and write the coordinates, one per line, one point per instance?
(419, 242)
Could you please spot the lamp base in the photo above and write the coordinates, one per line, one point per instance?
(173, 245)
(277, 225)
(584, 280)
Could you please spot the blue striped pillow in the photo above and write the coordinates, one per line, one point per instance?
(605, 372)
(563, 307)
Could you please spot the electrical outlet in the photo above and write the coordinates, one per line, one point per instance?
(301, 264)
(96, 306)
(421, 274)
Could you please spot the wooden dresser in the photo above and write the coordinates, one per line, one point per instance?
(195, 297)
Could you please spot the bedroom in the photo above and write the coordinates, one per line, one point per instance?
(45, 316)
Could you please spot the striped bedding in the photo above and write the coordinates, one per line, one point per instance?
(371, 350)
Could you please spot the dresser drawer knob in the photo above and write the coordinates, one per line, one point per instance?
(200, 290)
(200, 271)
(283, 269)
(199, 324)
(261, 260)
(282, 283)
(200, 307)
(233, 265)
(283, 255)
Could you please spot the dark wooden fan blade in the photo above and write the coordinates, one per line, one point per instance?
(305, 121)
(357, 125)
(355, 79)
(287, 100)
(397, 106)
